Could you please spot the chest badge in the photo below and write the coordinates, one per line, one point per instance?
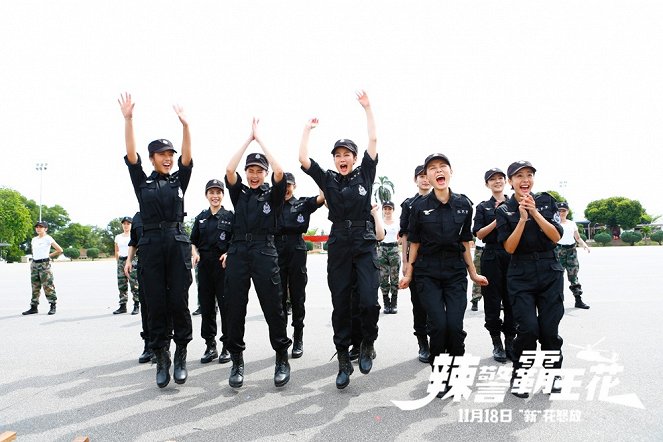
(362, 191)
(222, 236)
(179, 192)
(266, 209)
(428, 211)
(300, 218)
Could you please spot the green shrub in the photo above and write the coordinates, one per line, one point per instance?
(631, 237)
(309, 245)
(657, 236)
(603, 238)
(72, 253)
(583, 236)
(93, 253)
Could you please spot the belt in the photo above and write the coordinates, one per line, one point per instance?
(444, 254)
(41, 260)
(161, 225)
(122, 258)
(253, 237)
(388, 244)
(479, 247)
(567, 246)
(534, 255)
(495, 246)
(287, 236)
(348, 223)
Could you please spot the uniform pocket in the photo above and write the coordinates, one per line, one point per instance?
(185, 245)
(556, 266)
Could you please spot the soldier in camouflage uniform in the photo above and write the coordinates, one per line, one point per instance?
(40, 268)
(123, 283)
(567, 254)
(389, 259)
(476, 288)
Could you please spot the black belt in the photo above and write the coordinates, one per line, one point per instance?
(534, 255)
(41, 260)
(479, 247)
(162, 225)
(443, 254)
(122, 258)
(287, 236)
(495, 246)
(253, 237)
(348, 223)
(388, 244)
(567, 246)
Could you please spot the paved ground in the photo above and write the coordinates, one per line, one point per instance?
(76, 373)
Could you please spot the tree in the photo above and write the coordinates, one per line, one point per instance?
(56, 216)
(559, 198)
(631, 237)
(384, 188)
(603, 238)
(74, 235)
(72, 253)
(658, 237)
(15, 222)
(615, 211)
(92, 253)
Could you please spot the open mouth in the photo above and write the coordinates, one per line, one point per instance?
(441, 180)
(525, 188)
(343, 168)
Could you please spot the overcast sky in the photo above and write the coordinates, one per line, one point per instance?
(574, 87)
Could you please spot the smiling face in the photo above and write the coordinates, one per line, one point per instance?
(496, 183)
(387, 212)
(522, 181)
(422, 182)
(290, 191)
(563, 213)
(255, 176)
(344, 160)
(215, 197)
(439, 174)
(126, 226)
(163, 161)
(40, 230)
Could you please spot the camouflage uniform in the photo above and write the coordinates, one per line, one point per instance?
(568, 258)
(123, 282)
(476, 288)
(42, 276)
(390, 265)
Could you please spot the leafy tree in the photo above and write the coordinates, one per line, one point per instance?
(74, 235)
(56, 216)
(92, 253)
(559, 198)
(15, 222)
(101, 239)
(603, 238)
(658, 237)
(72, 253)
(384, 189)
(615, 211)
(631, 237)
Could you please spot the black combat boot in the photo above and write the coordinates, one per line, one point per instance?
(281, 369)
(524, 395)
(136, 309)
(224, 356)
(354, 352)
(579, 303)
(163, 366)
(345, 369)
(210, 352)
(52, 310)
(298, 343)
(31, 311)
(179, 364)
(508, 347)
(366, 356)
(424, 349)
(394, 304)
(196, 312)
(387, 304)
(498, 351)
(122, 309)
(147, 354)
(236, 378)
(475, 305)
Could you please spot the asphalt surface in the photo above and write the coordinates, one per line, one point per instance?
(76, 373)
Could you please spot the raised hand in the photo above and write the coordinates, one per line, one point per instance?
(255, 135)
(126, 105)
(311, 124)
(179, 110)
(362, 98)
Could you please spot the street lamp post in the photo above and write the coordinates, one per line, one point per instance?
(41, 167)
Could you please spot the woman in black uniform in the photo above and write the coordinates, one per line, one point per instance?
(352, 243)
(528, 226)
(494, 265)
(440, 258)
(165, 250)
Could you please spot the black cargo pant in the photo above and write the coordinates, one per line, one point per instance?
(257, 261)
(211, 280)
(536, 288)
(441, 281)
(352, 252)
(292, 264)
(418, 310)
(494, 265)
(165, 269)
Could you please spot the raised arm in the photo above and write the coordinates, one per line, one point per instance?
(304, 159)
(231, 168)
(127, 108)
(186, 136)
(372, 148)
(277, 170)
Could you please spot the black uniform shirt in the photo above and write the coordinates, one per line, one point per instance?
(533, 238)
(485, 215)
(348, 197)
(136, 230)
(256, 210)
(211, 233)
(406, 207)
(160, 197)
(440, 227)
(296, 214)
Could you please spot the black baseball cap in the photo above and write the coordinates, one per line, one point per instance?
(215, 184)
(388, 204)
(491, 172)
(289, 178)
(419, 170)
(515, 167)
(256, 159)
(348, 144)
(41, 223)
(436, 156)
(160, 145)
(127, 219)
(562, 205)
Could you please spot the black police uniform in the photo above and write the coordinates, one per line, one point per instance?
(352, 248)
(418, 311)
(292, 223)
(211, 234)
(134, 236)
(534, 279)
(165, 252)
(494, 265)
(440, 271)
(252, 256)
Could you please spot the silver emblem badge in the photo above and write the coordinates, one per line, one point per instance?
(362, 191)
(222, 237)
(300, 218)
(266, 209)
